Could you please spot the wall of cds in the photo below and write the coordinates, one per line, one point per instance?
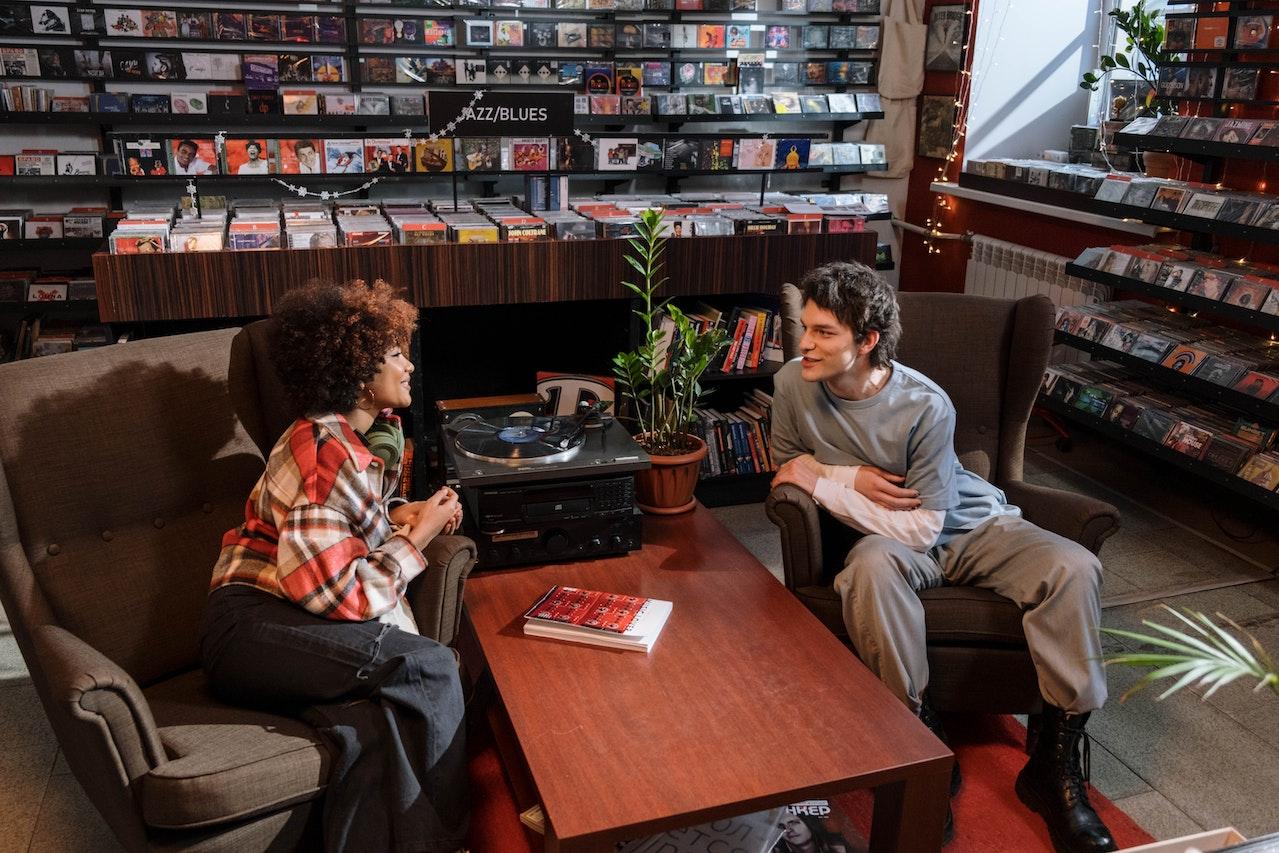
(1222, 56)
(347, 71)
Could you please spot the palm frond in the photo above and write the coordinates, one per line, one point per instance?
(1212, 659)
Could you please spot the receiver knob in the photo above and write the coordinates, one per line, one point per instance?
(556, 541)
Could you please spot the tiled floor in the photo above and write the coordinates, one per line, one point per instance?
(1175, 766)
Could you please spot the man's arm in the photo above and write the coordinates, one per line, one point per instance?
(918, 528)
(784, 443)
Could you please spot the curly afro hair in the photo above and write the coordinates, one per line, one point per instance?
(330, 340)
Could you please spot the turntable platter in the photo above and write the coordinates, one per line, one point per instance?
(515, 443)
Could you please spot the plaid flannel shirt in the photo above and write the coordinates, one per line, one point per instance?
(316, 529)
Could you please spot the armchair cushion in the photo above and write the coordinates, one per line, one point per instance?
(1081, 518)
(225, 763)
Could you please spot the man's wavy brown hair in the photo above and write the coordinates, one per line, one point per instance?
(330, 339)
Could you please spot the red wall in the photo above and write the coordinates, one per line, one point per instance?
(944, 271)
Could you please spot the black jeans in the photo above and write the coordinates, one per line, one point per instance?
(386, 702)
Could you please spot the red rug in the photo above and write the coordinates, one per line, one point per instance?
(988, 815)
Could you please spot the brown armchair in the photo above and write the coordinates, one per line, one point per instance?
(989, 355)
(120, 469)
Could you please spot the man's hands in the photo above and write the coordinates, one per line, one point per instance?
(879, 486)
(802, 471)
(885, 489)
(440, 513)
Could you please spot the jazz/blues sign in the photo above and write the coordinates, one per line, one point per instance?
(501, 113)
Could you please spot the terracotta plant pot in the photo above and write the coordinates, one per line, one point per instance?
(667, 487)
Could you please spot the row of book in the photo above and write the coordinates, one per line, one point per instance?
(1236, 445)
(34, 337)
(855, 7)
(1203, 201)
(143, 157)
(257, 25)
(738, 441)
(1254, 286)
(608, 35)
(754, 334)
(1186, 32)
(267, 224)
(1233, 131)
(1216, 354)
(28, 286)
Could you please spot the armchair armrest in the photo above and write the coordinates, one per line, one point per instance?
(1085, 519)
(111, 721)
(795, 514)
(435, 596)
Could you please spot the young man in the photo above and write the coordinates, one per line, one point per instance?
(308, 157)
(872, 442)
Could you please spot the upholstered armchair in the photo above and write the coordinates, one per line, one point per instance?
(120, 469)
(989, 356)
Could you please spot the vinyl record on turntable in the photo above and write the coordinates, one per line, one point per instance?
(522, 441)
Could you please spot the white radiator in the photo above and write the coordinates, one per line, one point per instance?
(1010, 271)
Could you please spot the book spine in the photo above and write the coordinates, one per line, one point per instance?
(761, 335)
(740, 454)
(712, 443)
(738, 325)
(747, 341)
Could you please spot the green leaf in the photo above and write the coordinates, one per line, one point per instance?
(1122, 60)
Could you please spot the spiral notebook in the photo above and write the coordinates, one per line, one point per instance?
(598, 618)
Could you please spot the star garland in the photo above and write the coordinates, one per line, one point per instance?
(325, 195)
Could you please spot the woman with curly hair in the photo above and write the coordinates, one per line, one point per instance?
(802, 833)
(306, 612)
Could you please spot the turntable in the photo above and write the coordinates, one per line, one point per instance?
(539, 488)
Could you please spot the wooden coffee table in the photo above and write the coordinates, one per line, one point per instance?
(745, 702)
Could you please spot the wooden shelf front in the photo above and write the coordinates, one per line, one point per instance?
(199, 285)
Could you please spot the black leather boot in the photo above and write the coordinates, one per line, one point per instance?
(1054, 784)
(928, 716)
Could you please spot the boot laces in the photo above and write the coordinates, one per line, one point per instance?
(1076, 758)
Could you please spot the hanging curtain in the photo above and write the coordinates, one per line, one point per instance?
(901, 79)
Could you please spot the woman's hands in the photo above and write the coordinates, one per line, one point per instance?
(440, 513)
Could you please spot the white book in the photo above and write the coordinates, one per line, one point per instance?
(625, 622)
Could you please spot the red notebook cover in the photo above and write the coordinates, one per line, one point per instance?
(602, 611)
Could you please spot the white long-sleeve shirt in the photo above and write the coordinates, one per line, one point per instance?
(835, 492)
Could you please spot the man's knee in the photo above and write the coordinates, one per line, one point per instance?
(1075, 567)
(873, 563)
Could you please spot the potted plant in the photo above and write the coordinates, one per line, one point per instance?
(660, 378)
(1143, 53)
(1207, 654)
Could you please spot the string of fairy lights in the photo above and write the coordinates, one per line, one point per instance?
(963, 97)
